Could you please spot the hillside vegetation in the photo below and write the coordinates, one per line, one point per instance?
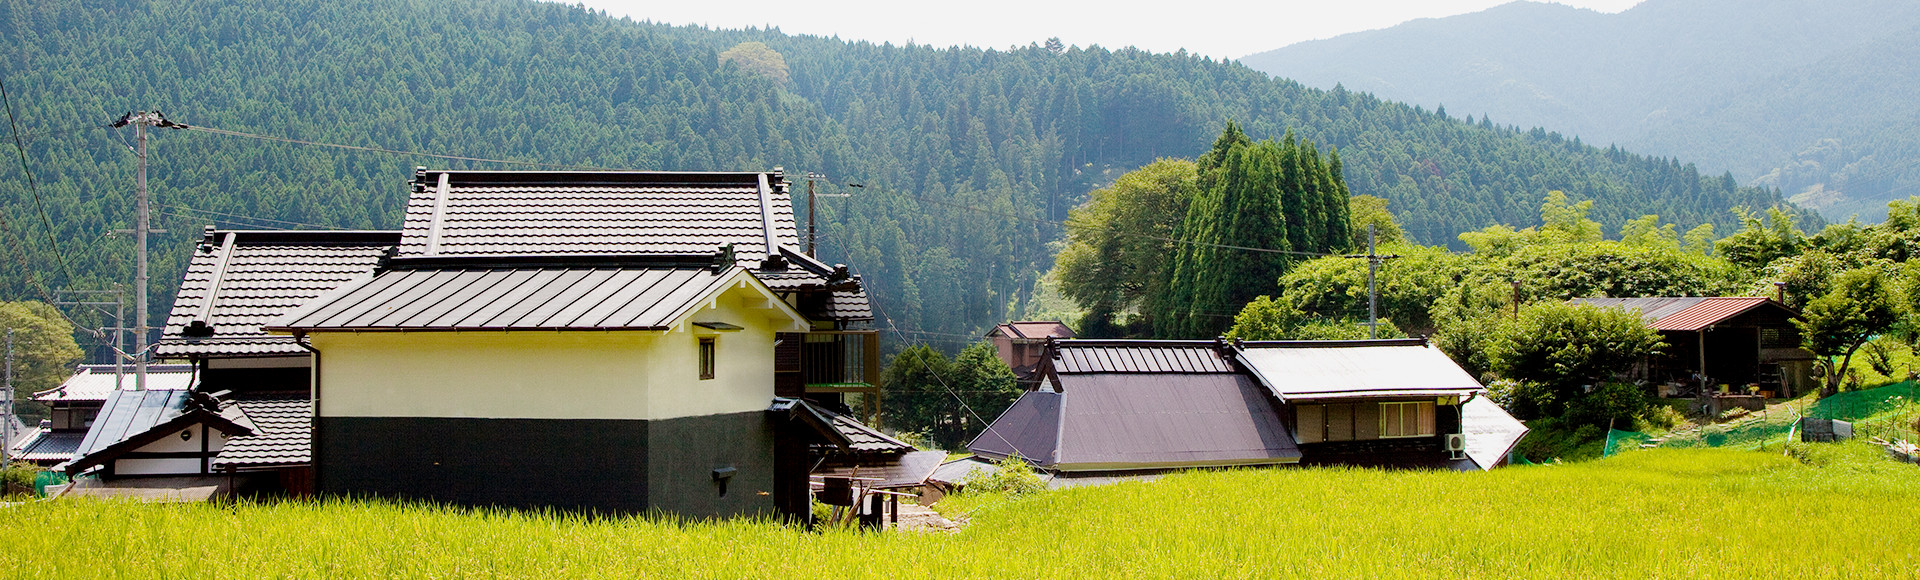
(1815, 98)
(1645, 514)
(969, 156)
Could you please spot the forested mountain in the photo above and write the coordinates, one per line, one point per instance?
(969, 157)
(1816, 98)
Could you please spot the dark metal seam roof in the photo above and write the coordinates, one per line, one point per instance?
(542, 298)
(1107, 356)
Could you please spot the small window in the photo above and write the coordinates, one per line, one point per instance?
(706, 358)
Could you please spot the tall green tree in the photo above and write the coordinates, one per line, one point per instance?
(1118, 244)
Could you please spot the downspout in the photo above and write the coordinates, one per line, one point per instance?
(313, 430)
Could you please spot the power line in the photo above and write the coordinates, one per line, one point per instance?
(21, 147)
(1071, 224)
(385, 150)
(182, 208)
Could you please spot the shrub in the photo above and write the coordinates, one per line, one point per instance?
(1015, 477)
(1607, 402)
(17, 479)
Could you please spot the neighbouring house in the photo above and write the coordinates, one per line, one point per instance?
(1733, 340)
(1021, 343)
(77, 402)
(255, 434)
(1107, 408)
(615, 341)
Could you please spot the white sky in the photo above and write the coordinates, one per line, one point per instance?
(1222, 29)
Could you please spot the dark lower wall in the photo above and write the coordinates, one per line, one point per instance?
(686, 451)
(584, 464)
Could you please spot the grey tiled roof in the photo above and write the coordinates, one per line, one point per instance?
(239, 280)
(95, 382)
(283, 433)
(515, 298)
(867, 439)
(499, 213)
(48, 446)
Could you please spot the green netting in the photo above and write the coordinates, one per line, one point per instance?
(1883, 412)
(1618, 440)
(45, 478)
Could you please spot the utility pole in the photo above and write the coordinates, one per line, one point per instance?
(812, 177)
(1373, 295)
(119, 328)
(141, 227)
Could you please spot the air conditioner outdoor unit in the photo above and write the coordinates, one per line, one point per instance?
(1456, 444)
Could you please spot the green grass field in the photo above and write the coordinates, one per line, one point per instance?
(1839, 511)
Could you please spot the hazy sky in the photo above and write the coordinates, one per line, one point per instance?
(1222, 29)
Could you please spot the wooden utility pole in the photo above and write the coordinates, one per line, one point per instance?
(6, 431)
(1373, 295)
(142, 226)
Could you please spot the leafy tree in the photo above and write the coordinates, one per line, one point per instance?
(1857, 307)
(924, 392)
(1565, 221)
(1366, 210)
(1335, 287)
(1269, 319)
(43, 349)
(1761, 241)
(1565, 348)
(1647, 231)
(756, 57)
(1118, 243)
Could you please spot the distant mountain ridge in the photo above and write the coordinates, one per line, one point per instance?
(1816, 98)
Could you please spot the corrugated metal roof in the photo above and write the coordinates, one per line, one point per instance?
(1146, 421)
(482, 213)
(1685, 314)
(237, 281)
(95, 382)
(906, 470)
(283, 433)
(515, 298)
(1306, 370)
(1491, 432)
(1139, 356)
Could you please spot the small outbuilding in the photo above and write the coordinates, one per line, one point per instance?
(1106, 408)
(1729, 340)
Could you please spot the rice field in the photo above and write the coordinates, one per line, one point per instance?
(1840, 511)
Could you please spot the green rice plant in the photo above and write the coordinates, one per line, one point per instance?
(1660, 513)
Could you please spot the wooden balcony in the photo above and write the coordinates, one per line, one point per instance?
(840, 366)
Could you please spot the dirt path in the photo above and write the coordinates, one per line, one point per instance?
(915, 518)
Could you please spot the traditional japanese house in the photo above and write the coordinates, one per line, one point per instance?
(77, 402)
(598, 340)
(1734, 340)
(256, 432)
(1108, 407)
(1021, 343)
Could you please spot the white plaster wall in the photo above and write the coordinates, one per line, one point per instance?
(554, 375)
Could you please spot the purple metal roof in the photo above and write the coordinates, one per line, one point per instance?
(1111, 421)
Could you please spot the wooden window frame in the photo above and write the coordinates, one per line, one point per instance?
(709, 349)
(1397, 417)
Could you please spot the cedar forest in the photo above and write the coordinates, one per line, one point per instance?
(982, 170)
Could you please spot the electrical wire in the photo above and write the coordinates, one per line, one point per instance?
(181, 208)
(21, 147)
(385, 150)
